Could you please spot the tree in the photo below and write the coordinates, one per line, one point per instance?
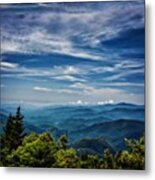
(91, 162)
(13, 134)
(35, 151)
(14, 131)
(42, 151)
(67, 158)
(133, 158)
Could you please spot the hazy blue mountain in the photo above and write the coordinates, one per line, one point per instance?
(87, 127)
(114, 132)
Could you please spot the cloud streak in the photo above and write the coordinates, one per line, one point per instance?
(57, 91)
(8, 65)
(42, 89)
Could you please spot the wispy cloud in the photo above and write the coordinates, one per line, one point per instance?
(42, 89)
(68, 78)
(41, 42)
(123, 74)
(8, 65)
(64, 72)
(123, 84)
(67, 70)
(90, 90)
(57, 91)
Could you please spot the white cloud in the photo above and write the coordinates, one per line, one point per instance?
(79, 102)
(7, 46)
(4, 64)
(42, 89)
(66, 70)
(79, 85)
(126, 64)
(123, 74)
(102, 91)
(70, 70)
(90, 90)
(105, 102)
(68, 78)
(59, 91)
(121, 84)
(103, 69)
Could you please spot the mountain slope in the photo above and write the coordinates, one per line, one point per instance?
(113, 132)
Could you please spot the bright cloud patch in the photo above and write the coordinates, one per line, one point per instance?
(8, 65)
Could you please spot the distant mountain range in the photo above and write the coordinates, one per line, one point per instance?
(89, 128)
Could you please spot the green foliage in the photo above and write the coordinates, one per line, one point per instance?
(36, 151)
(62, 142)
(109, 161)
(43, 151)
(134, 158)
(91, 162)
(67, 158)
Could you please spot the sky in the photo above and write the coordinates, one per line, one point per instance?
(76, 53)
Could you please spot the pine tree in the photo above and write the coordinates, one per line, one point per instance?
(13, 132)
(19, 126)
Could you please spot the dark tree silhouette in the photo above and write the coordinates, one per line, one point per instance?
(13, 132)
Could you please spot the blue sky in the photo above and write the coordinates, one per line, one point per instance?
(90, 52)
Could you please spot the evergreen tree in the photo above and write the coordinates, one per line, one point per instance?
(13, 132)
